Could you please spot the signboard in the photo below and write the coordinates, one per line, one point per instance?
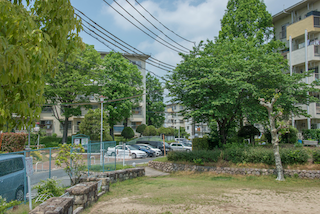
(77, 141)
(29, 166)
(84, 141)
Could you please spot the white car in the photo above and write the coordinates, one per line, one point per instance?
(147, 146)
(180, 147)
(130, 151)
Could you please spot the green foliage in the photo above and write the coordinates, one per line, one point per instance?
(183, 132)
(248, 131)
(290, 137)
(155, 106)
(316, 156)
(267, 135)
(127, 133)
(200, 144)
(150, 131)
(4, 205)
(13, 142)
(54, 135)
(31, 37)
(141, 128)
(73, 84)
(311, 134)
(91, 125)
(247, 18)
(262, 155)
(205, 156)
(123, 80)
(36, 155)
(48, 187)
(198, 161)
(68, 155)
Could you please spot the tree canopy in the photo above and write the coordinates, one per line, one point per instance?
(72, 84)
(31, 37)
(121, 79)
(155, 106)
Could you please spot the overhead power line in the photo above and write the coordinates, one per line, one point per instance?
(156, 27)
(164, 25)
(176, 49)
(124, 56)
(118, 47)
(116, 37)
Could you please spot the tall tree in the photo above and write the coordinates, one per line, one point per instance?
(246, 18)
(91, 125)
(122, 80)
(155, 106)
(73, 82)
(31, 37)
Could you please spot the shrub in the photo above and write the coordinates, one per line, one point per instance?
(48, 187)
(127, 133)
(4, 205)
(36, 155)
(12, 142)
(205, 156)
(50, 141)
(311, 134)
(200, 144)
(291, 136)
(294, 156)
(234, 154)
(316, 156)
(141, 128)
(54, 135)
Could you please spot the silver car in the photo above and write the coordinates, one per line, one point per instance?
(180, 147)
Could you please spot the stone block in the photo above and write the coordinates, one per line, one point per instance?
(55, 206)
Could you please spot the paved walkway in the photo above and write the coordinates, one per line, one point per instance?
(150, 172)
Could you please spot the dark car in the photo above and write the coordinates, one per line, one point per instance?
(150, 152)
(156, 144)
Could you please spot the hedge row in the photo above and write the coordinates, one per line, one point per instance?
(205, 156)
(266, 156)
(246, 155)
(12, 142)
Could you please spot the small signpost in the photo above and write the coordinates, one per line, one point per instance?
(29, 172)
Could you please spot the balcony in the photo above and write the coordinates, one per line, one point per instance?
(298, 56)
(311, 24)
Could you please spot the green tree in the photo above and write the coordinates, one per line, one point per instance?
(150, 131)
(91, 125)
(183, 132)
(246, 18)
(155, 106)
(141, 128)
(127, 133)
(122, 80)
(249, 131)
(31, 37)
(73, 83)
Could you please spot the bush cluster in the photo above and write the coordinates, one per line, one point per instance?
(12, 142)
(205, 156)
(311, 134)
(200, 144)
(266, 156)
(316, 156)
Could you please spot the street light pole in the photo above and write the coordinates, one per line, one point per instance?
(101, 131)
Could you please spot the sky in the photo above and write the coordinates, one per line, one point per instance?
(194, 20)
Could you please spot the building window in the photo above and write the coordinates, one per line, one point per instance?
(137, 111)
(187, 127)
(137, 63)
(46, 124)
(94, 106)
(181, 107)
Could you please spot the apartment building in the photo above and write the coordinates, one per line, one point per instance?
(174, 119)
(50, 123)
(299, 27)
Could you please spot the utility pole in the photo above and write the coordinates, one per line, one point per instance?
(101, 131)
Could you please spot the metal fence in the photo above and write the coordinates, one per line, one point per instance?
(95, 158)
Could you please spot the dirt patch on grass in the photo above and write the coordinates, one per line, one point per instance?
(206, 193)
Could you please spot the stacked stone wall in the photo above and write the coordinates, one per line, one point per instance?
(173, 167)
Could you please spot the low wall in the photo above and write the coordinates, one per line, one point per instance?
(115, 176)
(85, 193)
(173, 167)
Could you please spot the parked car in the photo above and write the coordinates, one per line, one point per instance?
(156, 144)
(180, 147)
(129, 151)
(149, 152)
(12, 177)
(147, 146)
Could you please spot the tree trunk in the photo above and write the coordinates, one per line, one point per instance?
(275, 144)
(222, 132)
(125, 122)
(112, 132)
(65, 130)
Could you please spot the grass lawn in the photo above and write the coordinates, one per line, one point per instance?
(185, 192)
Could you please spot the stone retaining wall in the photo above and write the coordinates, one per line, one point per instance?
(55, 206)
(84, 194)
(119, 175)
(173, 167)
